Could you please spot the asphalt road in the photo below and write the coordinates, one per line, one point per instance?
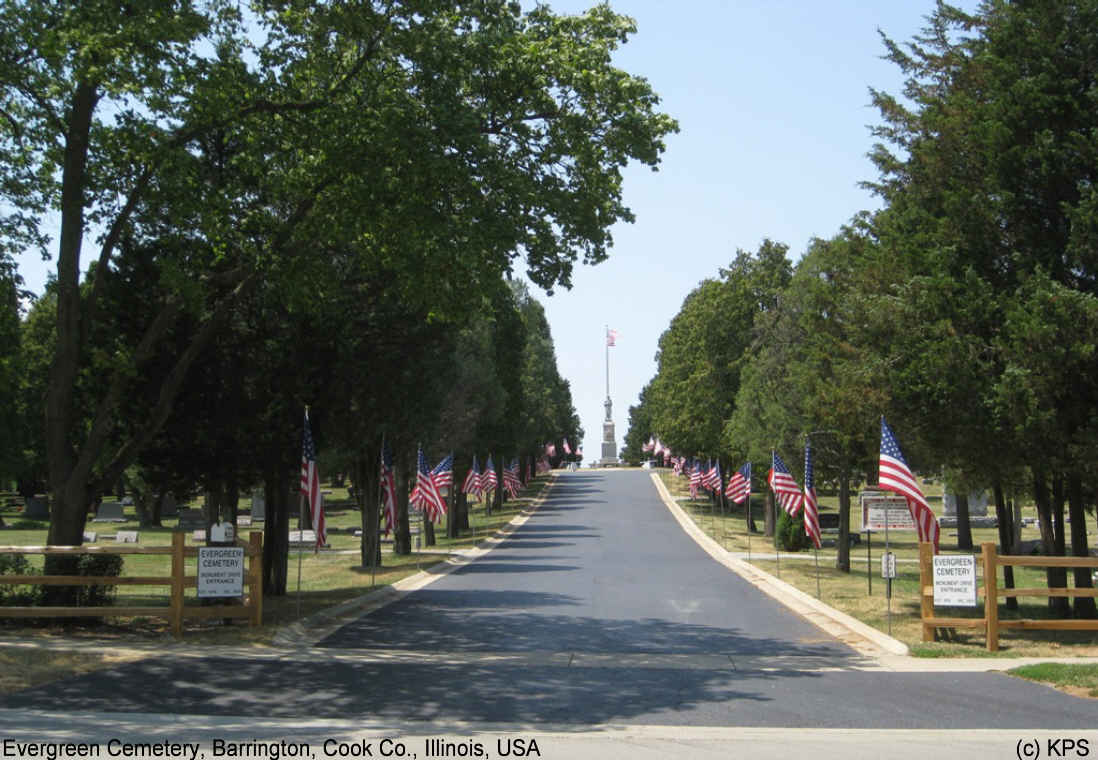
(599, 610)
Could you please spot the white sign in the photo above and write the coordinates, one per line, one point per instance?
(223, 532)
(880, 508)
(220, 571)
(888, 565)
(955, 580)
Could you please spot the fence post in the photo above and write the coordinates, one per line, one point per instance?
(991, 597)
(255, 575)
(926, 578)
(178, 540)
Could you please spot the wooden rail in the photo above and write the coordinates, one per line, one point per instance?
(991, 592)
(175, 612)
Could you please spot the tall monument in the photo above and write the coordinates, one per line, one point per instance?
(609, 442)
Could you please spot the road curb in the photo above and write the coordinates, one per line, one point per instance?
(863, 638)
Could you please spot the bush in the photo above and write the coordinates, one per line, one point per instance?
(17, 596)
(789, 532)
(83, 564)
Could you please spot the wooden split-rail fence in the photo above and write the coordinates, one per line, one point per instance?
(178, 581)
(991, 592)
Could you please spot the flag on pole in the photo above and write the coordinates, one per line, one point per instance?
(550, 449)
(443, 473)
(678, 462)
(472, 480)
(310, 485)
(897, 477)
(388, 489)
(488, 479)
(651, 445)
(785, 489)
(425, 496)
(713, 476)
(811, 505)
(567, 448)
(695, 479)
(611, 337)
(511, 483)
(739, 485)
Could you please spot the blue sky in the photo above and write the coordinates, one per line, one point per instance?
(772, 99)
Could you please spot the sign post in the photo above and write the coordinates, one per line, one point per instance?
(888, 572)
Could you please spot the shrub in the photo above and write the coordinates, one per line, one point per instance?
(17, 596)
(789, 532)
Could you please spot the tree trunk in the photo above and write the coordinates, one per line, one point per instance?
(402, 537)
(842, 556)
(771, 516)
(1006, 541)
(367, 481)
(1084, 606)
(964, 522)
(276, 533)
(1058, 605)
(428, 530)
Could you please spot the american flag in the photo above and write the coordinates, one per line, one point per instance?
(472, 480)
(310, 485)
(388, 488)
(695, 479)
(678, 463)
(811, 505)
(739, 485)
(567, 448)
(896, 476)
(443, 473)
(543, 466)
(611, 337)
(713, 476)
(650, 446)
(550, 449)
(425, 496)
(785, 489)
(511, 483)
(488, 480)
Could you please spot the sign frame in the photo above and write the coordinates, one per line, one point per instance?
(220, 572)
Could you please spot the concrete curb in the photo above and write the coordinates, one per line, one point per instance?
(318, 626)
(862, 638)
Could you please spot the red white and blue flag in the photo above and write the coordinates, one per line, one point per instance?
(712, 479)
(310, 485)
(897, 477)
(489, 480)
(425, 496)
(443, 473)
(739, 485)
(471, 485)
(511, 483)
(567, 448)
(786, 491)
(811, 504)
(388, 489)
(695, 479)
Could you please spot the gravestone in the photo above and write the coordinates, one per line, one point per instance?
(199, 535)
(127, 501)
(259, 505)
(304, 539)
(170, 507)
(90, 536)
(36, 509)
(192, 519)
(109, 511)
(126, 536)
(244, 521)
(977, 504)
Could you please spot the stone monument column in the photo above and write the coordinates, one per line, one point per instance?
(609, 444)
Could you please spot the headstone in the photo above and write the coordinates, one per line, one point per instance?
(109, 511)
(126, 536)
(977, 504)
(244, 521)
(90, 536)
(127, 501)
(199, 535)
(36, 509)
(304, 538)
(259, 505)
(169, 507)
(192, 519)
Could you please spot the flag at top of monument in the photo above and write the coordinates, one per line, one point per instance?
(785, 489)
(811, 505)
(896, 476)
(388, 488)
(611, 337)
(310, 484)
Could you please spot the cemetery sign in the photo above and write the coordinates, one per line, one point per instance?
(880, 508)
(220, 571)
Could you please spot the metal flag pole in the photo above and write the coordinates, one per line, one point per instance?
(376, 549)
(777, 537)
(300, 531)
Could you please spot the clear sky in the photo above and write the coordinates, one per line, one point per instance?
(772, 99)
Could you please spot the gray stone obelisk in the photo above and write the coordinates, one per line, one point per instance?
(609, 442)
